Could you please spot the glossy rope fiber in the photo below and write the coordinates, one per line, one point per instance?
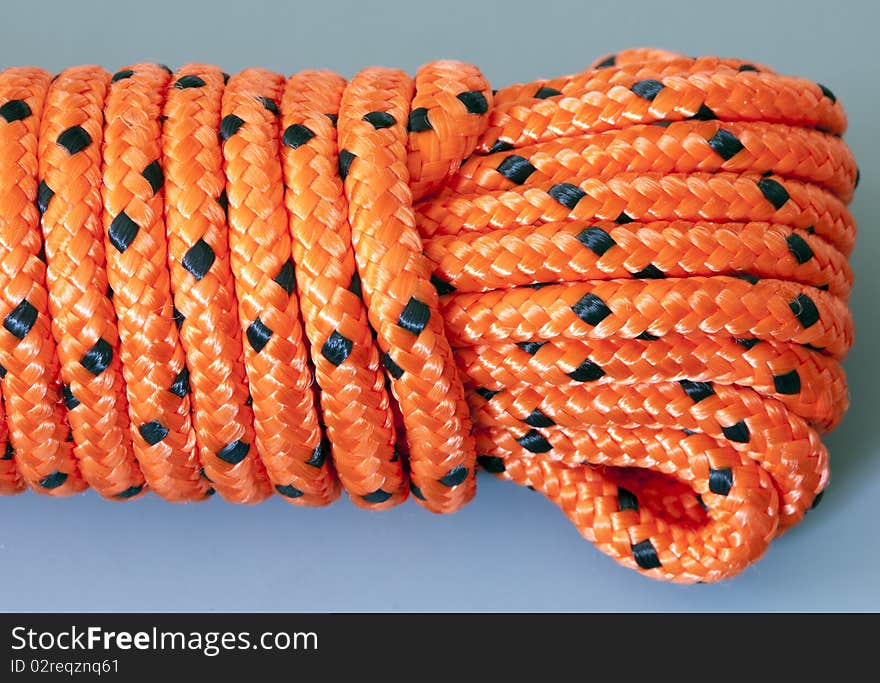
(626, 289)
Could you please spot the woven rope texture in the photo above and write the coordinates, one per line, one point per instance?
(626, 289)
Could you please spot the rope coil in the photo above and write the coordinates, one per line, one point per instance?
(626, 288)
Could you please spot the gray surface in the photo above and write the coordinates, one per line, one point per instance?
(510, 549)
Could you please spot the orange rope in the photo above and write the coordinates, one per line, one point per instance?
(201, 278)
(35, 424)
(135, 245)
(354, 401)
(83, 316)
(288, 435)
(625, 288)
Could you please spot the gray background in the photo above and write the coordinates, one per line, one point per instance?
(510, 549)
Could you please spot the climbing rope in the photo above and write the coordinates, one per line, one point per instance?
(626, 289)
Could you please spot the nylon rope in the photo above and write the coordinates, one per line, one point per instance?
(626, 289)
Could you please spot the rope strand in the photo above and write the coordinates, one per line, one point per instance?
(201, 279)
(625, 288)
(83, 316)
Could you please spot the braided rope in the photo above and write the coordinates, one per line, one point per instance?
(401, 300)
(135, 245)
(288, 435)
(35, 425)
(83, 316)
(625, 288)
(201, 278)
(354, 401)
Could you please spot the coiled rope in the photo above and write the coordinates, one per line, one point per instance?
(625, 288)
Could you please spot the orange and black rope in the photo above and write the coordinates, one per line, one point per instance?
(626, 288)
